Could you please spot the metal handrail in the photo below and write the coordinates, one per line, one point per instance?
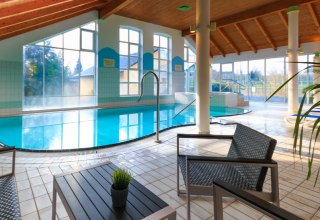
(234, 81)
(158, 107)
(184, 108)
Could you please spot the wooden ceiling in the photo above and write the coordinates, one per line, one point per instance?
(244, 25)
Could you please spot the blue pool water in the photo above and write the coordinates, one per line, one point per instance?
(81, 129)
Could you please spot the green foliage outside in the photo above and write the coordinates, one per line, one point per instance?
(44, 69)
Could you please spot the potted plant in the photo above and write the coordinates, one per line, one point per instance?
(119, 189)
(298, 132)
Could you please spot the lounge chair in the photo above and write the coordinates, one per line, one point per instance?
(222, 188)
(9, 205)
(245, 166)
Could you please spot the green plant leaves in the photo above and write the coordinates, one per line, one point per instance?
(298, 132)
(121, 179)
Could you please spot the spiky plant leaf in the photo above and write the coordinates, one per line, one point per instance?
(121, 179)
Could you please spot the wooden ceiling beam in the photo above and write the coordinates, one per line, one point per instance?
(245, 37)
(255, 12)
(228, 40)
(313, 15)
(45, 21)
(112, 7)
(265, 33)
(43, 12)
(27, 7)
(283, 19)
(213, 43)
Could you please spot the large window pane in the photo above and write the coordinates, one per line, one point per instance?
(134, 50)
(72, 70)
(256, 77)
(72, 39)
(59, 69)
(53, 71)
(275, 78)
(87, 85)
(54, 41)
(123, 88)
(87, 60)
(91, 26)
(33, 77)
(123, 34)
(87, 40)
(123, 50)
(134, 36)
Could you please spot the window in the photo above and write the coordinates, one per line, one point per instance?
(275, 77)
(60, 71)
(256, 80)
(130, 61)
(161, 61)
(190, 69)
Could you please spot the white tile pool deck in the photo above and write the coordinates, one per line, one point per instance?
(154, 165)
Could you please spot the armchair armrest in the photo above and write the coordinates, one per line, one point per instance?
(200, 136)
(220, 187)
(204, 136)
(239, 161)
(5, 149)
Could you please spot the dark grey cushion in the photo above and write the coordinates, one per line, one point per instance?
(9, 205)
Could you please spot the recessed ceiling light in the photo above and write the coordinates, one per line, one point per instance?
(184, 8)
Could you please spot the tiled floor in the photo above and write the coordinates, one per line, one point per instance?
(154, 165)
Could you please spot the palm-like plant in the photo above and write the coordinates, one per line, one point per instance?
(298, 132)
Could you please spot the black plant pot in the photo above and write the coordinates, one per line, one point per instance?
(119, 197)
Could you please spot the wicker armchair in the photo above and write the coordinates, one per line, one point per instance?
(245, 166)
(9, 205)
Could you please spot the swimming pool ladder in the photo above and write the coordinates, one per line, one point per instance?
(158, 107)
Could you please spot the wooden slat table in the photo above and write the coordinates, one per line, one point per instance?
(86, 195)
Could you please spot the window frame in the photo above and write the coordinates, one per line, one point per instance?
(168, 60)
(129, 57)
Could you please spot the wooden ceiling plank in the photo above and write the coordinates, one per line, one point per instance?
(50, 19)
(43, 12)
(245, 37)
(265, 33)
(283, 19)
(28, 7)
(313, 15)
(113, 6)
(255, 12)
(212, 41)
(228, 40)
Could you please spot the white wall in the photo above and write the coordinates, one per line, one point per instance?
(109, 34)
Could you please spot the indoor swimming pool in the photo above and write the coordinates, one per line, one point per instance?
(94, 128)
